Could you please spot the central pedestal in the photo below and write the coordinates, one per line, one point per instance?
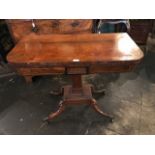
(77, 96)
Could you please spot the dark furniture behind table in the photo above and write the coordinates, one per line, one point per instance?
(6, 42)
(21, 28)
(139, 30)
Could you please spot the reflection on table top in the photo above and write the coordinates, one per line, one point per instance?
(74, 49)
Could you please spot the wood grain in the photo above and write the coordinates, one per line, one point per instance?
(75, 50)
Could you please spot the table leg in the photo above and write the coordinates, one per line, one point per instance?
(57, 113)
(102, 91)
(97, 109)
(28, 78)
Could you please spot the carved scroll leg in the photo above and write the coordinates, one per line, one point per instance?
(57, 113)
(28, 78)
(57, 92)
(101, 91)
(97, 109)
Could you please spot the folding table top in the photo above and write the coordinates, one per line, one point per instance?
(74, 49)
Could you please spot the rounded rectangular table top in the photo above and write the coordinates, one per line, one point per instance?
(75, 49)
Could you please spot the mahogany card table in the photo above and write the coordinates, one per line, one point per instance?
(76, 55)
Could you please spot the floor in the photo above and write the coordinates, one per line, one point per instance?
(129, 97)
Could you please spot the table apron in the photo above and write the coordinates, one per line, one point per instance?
(73, 70)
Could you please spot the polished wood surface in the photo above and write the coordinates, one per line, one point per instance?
(19, 28)
(140, 30)
(80, 49)
(75, 55)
